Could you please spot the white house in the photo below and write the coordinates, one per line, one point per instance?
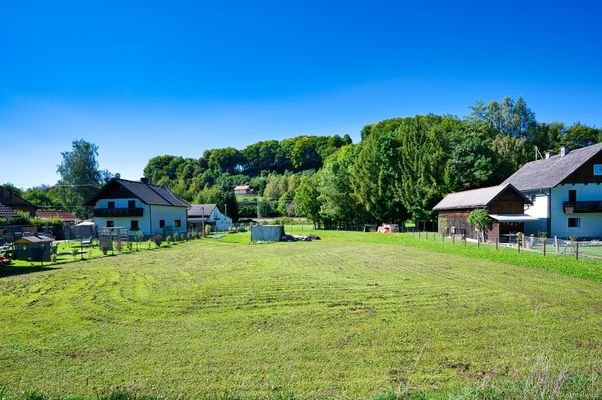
(566, 191)
(207, 214)
(139, 206)
(244, 191)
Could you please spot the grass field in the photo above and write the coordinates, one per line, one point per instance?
(351, 316)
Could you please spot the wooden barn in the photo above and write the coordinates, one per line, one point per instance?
(504, 203)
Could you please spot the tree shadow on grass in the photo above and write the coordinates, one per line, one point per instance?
(8, 270)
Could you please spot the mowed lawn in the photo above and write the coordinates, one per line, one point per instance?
(343, 317)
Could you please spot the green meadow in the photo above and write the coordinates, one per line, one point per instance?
(354, 315)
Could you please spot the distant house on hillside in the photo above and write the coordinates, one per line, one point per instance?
(14, 202)
(244, 191)
(207, 214)
(139, 206)
(504, 203)
(566, 192)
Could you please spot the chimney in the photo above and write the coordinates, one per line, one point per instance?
(547, 154)
(563, 151)
(144, 180)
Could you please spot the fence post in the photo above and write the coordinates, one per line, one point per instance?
(453, 239)
(496, 243)
(418, 234)
(478, 241)
(576, 250)
(556, 243)
(544, 247)
(518, 245)
(464, 240)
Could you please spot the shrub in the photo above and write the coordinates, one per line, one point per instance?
(207, 229)
(157, 240)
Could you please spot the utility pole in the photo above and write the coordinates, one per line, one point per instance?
(203, 220)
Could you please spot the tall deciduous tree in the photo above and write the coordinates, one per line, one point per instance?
(306, 199)
(81, 176)
(511, 118)
(376, 177)
(338, 206)
(422, 165)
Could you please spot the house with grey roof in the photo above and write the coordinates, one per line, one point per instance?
(504, 203)
(566, 192)
(200, 215)
(139, 206)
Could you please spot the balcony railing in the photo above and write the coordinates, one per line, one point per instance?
(572, 207)
(118, 212)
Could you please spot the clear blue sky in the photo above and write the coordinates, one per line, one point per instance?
(144, 78)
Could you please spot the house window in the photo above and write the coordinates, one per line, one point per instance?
(177, 223)
(134, 225)
(161, 223)
(574, 222)
(572, 196)
(110, 224)
(131, 203)
(111, 204)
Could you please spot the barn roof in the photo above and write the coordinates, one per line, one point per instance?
(7, 212)
(475, 198)
(201, 210)
(547, 173)
(146, 192)
(64, 215)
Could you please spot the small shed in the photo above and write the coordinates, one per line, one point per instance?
(504, 203)
(33, 247)
(267, 233)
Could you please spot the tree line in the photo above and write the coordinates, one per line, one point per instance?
(398, 171)
(403, 166)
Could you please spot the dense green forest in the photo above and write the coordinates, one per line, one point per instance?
(400, 169)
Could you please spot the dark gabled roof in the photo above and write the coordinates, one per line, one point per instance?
(35, 239)
(7, 212)
(475, 198)
(547, 173)
(201, 210)
(9, 198)
(147, 193)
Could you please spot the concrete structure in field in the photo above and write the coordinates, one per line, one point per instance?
(267, 233)
(504, 203)
(566, 191)
(139, 206)
(200, 215)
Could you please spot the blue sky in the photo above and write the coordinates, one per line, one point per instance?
(144, 78)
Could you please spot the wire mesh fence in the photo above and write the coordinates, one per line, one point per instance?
(540, 244)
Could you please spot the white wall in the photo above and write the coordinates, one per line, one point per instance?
(222, 223)
(590, 223)
(169, 215)
(539, 210)
(150, 214)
